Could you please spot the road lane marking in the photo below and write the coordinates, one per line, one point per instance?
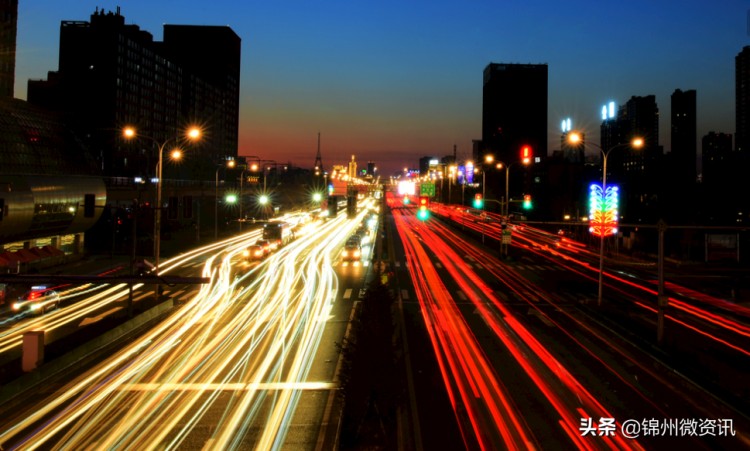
(404, 295)
(210, 386)
(348, 293)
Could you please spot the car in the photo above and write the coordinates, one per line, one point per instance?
(355, 238)
(254, 252)
(352, 251)
(266, 245)
(363, 230)
(38, 300)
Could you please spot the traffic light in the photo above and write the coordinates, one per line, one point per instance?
(527, 201)
(526, 155)
(423, 213)
(478, 201)
(406, 200)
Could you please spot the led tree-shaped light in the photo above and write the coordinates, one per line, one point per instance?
(604, 221)
(603, 212)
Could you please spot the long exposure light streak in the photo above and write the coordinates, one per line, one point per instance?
(541, 243)
(254, 332)
(564, 392)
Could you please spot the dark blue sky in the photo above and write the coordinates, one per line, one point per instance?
(392, 81)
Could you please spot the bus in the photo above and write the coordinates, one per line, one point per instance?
(278, 233)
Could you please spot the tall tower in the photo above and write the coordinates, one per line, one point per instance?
(8, 28)
(352, 168)
(319, 161)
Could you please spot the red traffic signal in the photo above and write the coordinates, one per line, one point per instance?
(424, 201)
(526, 154)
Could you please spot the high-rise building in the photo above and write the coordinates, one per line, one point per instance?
(742, 99)
(684, 154)
(636, 170)
(514, 115)
(721, 178)
(113, 74)
(514, 110)
(8, 27)
(572, 152)
(742, 121)
(716, 149)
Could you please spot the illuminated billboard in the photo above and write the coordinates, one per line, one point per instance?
(406, 188)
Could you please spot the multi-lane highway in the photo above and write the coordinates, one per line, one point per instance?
(529, 361)
(247, 361)
(498, 350)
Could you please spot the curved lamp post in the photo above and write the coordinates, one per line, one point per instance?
(247, 168)
(635, 143)
(192, 134)
(229, 165)
(500, 165)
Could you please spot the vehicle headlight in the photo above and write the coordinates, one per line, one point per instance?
(356, 253)
(16, 306)
(245, 253)
(36, 306)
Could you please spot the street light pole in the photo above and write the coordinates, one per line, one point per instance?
(129, 133)
(575, 138)
(157, 220)
(242, 179)
(216, 206)
(507, 190)
(601, 235)
(229, 164)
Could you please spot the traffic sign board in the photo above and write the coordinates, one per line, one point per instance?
(427, 189)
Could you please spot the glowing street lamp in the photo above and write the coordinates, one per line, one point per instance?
(607, 200)
(193, 134)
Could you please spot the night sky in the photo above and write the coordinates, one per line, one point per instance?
(392, 81)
